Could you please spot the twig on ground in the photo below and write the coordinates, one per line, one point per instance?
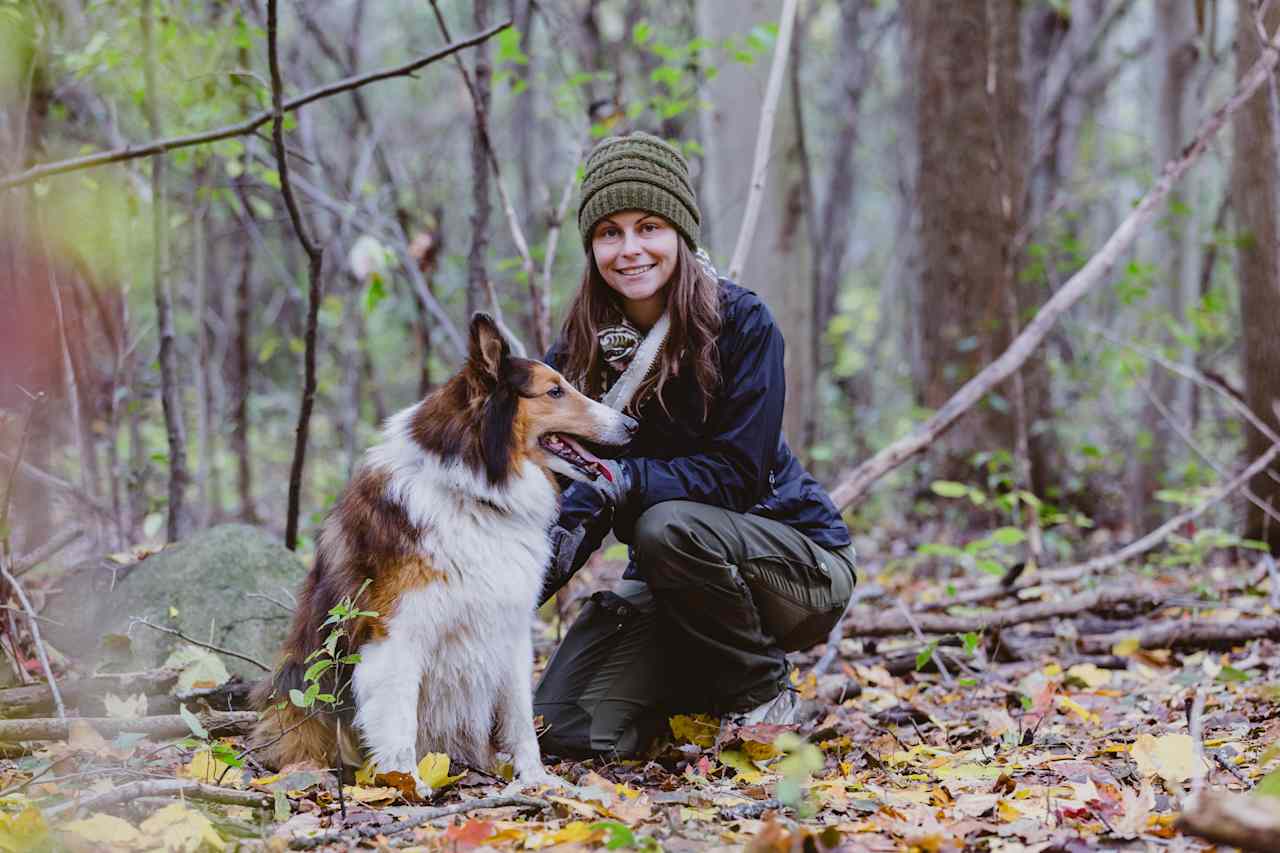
(417, 819)
(38, 698)
(249, 125)
(190, 788)
(889, 625)
(915, 628)
(45, 552)
(1192, 633)
(167, 725)
(34, 624)
(749, 811)
(860, 594)
(210, 646)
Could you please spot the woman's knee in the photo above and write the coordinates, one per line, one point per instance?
(676, 533)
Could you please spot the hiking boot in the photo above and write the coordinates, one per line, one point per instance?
(779, 711)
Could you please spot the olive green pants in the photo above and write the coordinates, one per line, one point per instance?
(723, 597)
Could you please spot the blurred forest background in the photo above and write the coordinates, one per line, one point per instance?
(937, 171)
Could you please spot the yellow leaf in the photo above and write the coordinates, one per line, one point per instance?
(1079, 710)
(23, 831)
(366, 774)
(697, 729)
(1171, 757)
(125, 708)
(205, 768)
(1008, 811)
(1126, 647)
(758, 751)
(746, 771)
(363, 794)
(1092, 675)
(1053, 669)
(182, 829)
(575, 832)
(104, 829)
(433, 769)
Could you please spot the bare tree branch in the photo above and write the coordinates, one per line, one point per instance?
(764, 138)
(249, 125)
(855, 483)
(33, 623)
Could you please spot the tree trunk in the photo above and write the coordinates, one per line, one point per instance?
(477, 273)
(170, 393)
(1173, 241)
(1255, 176)
(777, 266)
(972, 144)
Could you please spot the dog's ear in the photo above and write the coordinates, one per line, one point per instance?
(489, 348)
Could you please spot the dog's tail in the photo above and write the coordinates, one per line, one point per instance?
(286, 734)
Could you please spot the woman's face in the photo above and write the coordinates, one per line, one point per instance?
(636, 254)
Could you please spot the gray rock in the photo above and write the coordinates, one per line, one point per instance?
(200, 586)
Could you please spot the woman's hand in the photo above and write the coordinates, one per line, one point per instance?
(613, 484)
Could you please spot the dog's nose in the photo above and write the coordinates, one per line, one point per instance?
(631, 425)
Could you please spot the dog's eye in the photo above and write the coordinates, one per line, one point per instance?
(555, 392)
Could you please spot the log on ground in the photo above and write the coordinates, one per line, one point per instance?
(171, 725)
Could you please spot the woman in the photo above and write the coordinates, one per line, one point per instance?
(737, 554)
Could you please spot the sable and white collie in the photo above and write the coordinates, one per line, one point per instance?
(443, 533)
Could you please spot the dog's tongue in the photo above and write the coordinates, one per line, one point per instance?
(600, 467)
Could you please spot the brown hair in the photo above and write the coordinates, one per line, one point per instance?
(693, 299)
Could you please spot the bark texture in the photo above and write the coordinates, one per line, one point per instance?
(1254, 176)
(972, 144)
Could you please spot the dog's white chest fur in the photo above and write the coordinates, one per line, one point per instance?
(453, 671)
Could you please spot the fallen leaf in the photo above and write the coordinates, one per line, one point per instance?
(181, 829)
(1171, 757)
(23, 831)
(433, 769)
(205, 768)
(697, 729)
(746, 771)
(103, 829)
(363, 794)
(467, 835)
(197, 666)
(1090, 675)
(125, 708)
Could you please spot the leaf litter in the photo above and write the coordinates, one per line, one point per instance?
(1059, 750)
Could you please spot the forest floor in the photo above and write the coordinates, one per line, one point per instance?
(1096, 729)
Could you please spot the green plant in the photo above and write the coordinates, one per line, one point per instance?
(328, 659)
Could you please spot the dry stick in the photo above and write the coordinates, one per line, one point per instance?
(764, 140)
(36, 698)
(1190, 633)
(890, 625)
(915, 627)
(45, 552)
(315, 259)
(33, 624)
(160, 726)
(1101, 563)
(418, 818)
(219, 649)
(170, 393)
(190, 788)
(541, 321)
(249, 125)
(855, 483)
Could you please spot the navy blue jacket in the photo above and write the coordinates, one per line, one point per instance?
(736, 457)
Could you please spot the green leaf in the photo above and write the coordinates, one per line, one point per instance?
(1229, 674)
(641, 33)
(1009, 535)
(226, 754)
(949, 488)
(939, 549)
(193, 722)
(296, 697)
(990, 567)
(509, 47)
(925, 655)
(970, 641)
(618, 835)
(317, 669)
(1270, 785)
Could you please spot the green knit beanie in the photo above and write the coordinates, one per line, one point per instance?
(638, 172)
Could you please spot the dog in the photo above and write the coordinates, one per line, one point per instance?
(443, 534)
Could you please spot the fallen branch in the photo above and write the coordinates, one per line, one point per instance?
(855, 483)
(417, 818)
(210, 646)
(1234, 820)
(1140, 546)
(891, 624)
(1190, 633)
(165, 726)
(45, 552)
(189, 788)
(33, 624)
(38, 698)
(249, 125)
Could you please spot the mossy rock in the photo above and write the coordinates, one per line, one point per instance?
(215, 586)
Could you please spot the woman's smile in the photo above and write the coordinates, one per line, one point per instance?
(636, 254)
